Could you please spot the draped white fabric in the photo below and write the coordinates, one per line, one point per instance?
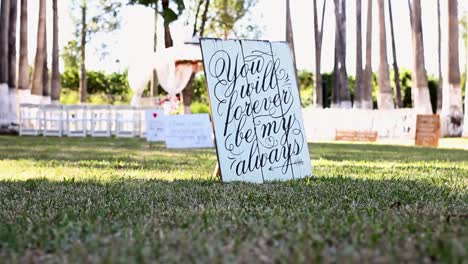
(172, 78)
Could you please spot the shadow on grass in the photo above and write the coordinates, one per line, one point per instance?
(411, 213)
(374, 152)
(202, 217)
(137, 150)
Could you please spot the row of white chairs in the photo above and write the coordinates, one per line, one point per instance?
(82, 120)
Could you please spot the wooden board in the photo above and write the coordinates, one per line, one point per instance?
(256, 110)
(355, 135)
(427, 130)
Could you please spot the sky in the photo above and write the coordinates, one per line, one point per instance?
(134, 40)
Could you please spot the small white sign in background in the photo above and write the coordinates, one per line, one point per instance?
(256, 110)
(189, 131)
(154, 120)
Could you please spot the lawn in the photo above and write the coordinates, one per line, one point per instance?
(124, 200)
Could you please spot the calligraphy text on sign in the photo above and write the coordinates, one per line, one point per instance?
(256, 110)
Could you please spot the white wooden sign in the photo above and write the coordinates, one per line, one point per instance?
(189, 131)
(256, 110)
(154, 120)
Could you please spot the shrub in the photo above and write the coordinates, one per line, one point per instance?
(200, 91)
(114, 85)
(199, 107)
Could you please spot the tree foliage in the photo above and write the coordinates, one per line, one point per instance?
(115, 83)
(224, 18)
(170, 14)
(102, 16)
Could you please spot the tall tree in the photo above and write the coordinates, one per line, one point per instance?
(422, 100)
(318, 95)
(45, 75)
(289, 34)
(224, 15)
(4, 91)
(344, 97)
(94, 16)
(336, 76)
(464, 23)
(55, 82)
(452, 111)
(167, 31)
(37, 81)
(439, 60)
(385, 94)
(367, 93)
(169, 15)
(12, 60)
(23, 68)
(359, 86)
(84, 32)
(396, 72)
(154, 83)
(204, 18)
(197, 13)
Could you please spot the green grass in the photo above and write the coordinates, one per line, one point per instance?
(124, 200)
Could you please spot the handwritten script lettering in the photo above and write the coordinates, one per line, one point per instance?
(256, 110)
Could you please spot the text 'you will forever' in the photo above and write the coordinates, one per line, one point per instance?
(256, 110)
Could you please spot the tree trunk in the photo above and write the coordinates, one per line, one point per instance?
(23, 68)
(290, 37)
(358, 88)
(187, 95)
(289, 32)
(55, 85)
(40, 56)
(167, 31)
(204, 18)
(4, 44)
(452, 112)
(422, 100)
(344, 100)
(336, 76)
(465, 118)
(12, 82)
(83, 80)
(154, 83)
(439, 60)
(385, 94)
(197, 13)
(4, 65)
(318, 95)
(367, 94)
(45, 75)
(12, 46)
(396, 72)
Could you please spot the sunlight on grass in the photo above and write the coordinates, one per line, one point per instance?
(124, 200)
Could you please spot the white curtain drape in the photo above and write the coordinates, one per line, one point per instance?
(173, 79)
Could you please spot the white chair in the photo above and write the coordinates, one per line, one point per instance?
(127, 121)
(76, 120)
(52, 120)
(30, 119)
(100, 119)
